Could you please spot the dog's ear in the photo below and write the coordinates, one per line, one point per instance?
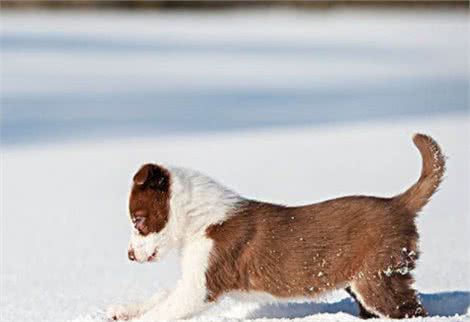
(153, 176)
(143, 174)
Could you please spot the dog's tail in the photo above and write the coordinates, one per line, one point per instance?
(418, 195)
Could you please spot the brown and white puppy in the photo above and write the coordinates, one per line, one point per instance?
(232, 245)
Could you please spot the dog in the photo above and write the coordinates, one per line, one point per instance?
(232, 245)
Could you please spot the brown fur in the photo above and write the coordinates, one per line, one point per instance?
(418, 195)
(367, 243)
(363, 313)
(149, 202)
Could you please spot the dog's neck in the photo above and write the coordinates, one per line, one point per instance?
(196, 203)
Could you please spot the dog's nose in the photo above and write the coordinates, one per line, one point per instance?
(131, 255)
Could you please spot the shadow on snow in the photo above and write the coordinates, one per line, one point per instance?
(437, 304)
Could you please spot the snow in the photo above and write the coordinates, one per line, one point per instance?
(66, 228)
(117, 74)
(279, 106)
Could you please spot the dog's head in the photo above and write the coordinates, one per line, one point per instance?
(149, 209)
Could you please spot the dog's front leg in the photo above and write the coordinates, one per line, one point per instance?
(183, 302)
(189, 296)
(131, 311)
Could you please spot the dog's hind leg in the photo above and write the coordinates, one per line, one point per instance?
(363, 313)
(388, 296)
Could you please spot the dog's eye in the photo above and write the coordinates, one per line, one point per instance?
(138, 220)
(139, 224)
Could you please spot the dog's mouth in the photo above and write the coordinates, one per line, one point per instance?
(152, 257)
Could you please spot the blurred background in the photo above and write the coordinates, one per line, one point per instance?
(321, 97)
(117, 69)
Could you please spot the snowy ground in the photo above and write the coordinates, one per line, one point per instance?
(324, 103)
(105, 74)
(65, 230)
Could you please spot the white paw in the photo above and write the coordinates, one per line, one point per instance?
(122, 312)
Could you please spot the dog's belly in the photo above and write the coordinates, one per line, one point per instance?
(253, 296)
(265, 297)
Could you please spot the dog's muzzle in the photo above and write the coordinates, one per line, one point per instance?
(132, 257)
(131, 254)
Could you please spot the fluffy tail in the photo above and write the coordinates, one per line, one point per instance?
(418, 195)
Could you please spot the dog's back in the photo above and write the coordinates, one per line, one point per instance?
(366, 244)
